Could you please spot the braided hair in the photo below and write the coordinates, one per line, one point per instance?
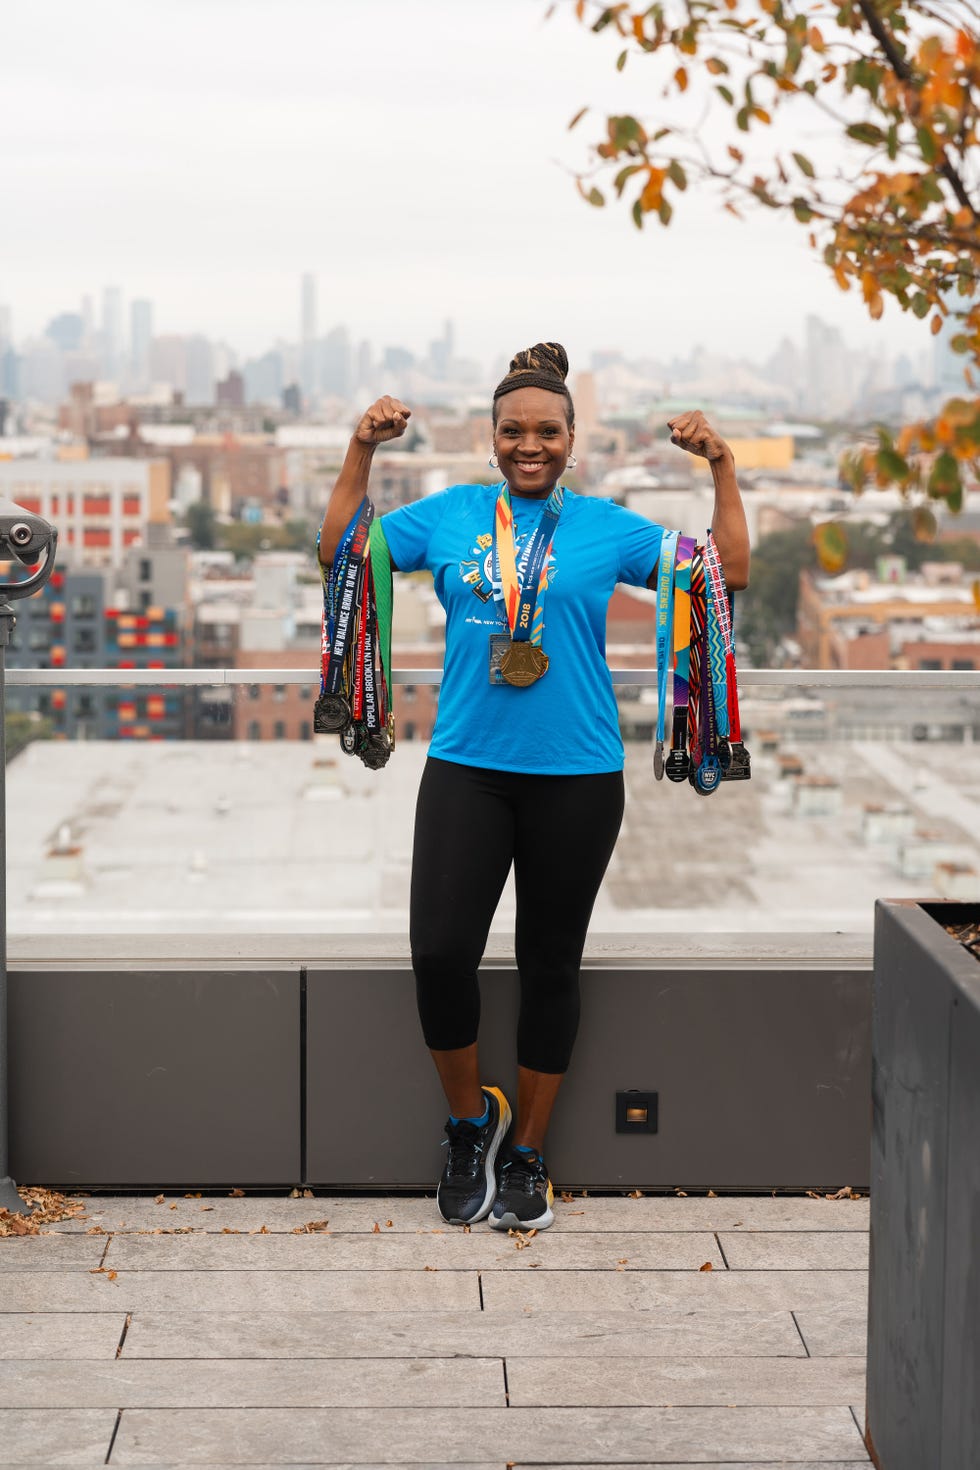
(545, 365)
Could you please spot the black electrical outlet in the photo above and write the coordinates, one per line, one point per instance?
(636, 1112)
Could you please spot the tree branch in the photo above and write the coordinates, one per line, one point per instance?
(904, 73)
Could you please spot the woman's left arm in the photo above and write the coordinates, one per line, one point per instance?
(691, 431)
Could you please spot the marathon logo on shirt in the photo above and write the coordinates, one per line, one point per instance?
(476, 571)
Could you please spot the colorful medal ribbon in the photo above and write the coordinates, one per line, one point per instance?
(738, 767)
(665, 632)
(355, 642)
(523, 586)
(706, 743)
(677, 764)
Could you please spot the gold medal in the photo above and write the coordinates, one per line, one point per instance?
(523, 663)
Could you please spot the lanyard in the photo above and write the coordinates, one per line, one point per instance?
(678, 763)
(523, 587)
(718, 648)
(665, 629)
(345, 589)
(725, 605)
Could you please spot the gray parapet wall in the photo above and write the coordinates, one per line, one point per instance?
(267, 1063)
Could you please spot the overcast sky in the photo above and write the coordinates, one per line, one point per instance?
(413, 154)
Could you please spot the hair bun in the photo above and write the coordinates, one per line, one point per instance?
(549, 358)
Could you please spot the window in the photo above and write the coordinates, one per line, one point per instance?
(279, 730)
(146, 600)
(254, 691)
(146, 569)
(963, 663)
(409, 693)
(84, 640)
(930, 663)
(408, 730)
(83, 605)
(254, 730)
(305, 730)
(84, 706)
(40, 639)
(279, 693)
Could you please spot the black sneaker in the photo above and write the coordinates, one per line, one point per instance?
(469, 1180)
(524, 1193)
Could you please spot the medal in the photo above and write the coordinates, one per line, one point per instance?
(375, 751)
(520, 660)
(523, 663)
(331, 713)
(658, 760)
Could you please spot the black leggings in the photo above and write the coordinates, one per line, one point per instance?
(470, 825)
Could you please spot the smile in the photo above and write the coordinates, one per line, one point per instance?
(528, 467)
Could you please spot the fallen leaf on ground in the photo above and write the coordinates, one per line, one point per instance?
(173, 1207)
(236, 1194)
(96, 1230)
(158, 1199)
(430, 1268)
(711, 1194)
(635, 1194)
(681, 1193)
(48, 1206)
(377, 1229)
(207, 1207)
(706, 1267)
(566, 1198)
(193, 1196)
(389, 1224)
(845, 1193)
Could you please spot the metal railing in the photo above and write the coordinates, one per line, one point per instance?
(911, 680)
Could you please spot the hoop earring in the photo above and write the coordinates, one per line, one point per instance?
(571, 462)
(492, 461)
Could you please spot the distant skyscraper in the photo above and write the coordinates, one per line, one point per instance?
(6, 327)
(140, 337)
(66, 330)
(112, 332)
(335, 363)
(828, 391)
(200, 371)
(308, 352)
(88, 317)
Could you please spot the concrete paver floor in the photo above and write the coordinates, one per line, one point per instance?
(364, 1331)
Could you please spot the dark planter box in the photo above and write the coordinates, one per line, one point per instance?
(923, 1401)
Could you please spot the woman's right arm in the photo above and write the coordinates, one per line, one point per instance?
(386, 419)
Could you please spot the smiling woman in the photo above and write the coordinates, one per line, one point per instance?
(525, 768)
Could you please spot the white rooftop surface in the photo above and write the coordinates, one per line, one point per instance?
(296, 838)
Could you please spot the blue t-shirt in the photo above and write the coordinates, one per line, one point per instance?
(566, 723)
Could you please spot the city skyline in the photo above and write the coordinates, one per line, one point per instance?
(385, 160)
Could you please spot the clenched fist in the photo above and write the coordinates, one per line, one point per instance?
(691, 431)
(386, 419)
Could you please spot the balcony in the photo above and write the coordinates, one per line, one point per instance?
(195, 968)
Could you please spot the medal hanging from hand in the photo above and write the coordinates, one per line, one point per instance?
(665, 635)
(521, 660)
(355, 643)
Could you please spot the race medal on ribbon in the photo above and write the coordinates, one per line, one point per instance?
(520, 660)
(523, 663)
(658, 760)
(331, 713)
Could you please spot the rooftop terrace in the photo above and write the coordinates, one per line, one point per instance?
(336, 1332)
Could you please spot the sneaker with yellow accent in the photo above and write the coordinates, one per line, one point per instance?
(524, 1192)
(469, 1180)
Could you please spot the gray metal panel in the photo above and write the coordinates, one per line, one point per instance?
(961, 1356)
(140, 1078)
(763, 1078)
(375, 1108)
(910, 1041)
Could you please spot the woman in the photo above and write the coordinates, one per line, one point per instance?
(526, 761)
